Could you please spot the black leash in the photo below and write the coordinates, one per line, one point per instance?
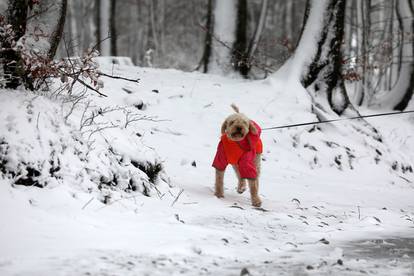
(341, 119)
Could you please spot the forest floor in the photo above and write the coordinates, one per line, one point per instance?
(317, 218)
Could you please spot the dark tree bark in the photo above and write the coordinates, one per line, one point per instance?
(17, 17)
(407, 76)
(325, 69)
(98, 24)
(318, 64)
(112, 26)
(56, 35)
(240, 51)
(205, 60)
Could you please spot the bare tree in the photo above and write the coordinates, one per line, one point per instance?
(56, 34)
(17, 17)
(404, 88)
(324, 70)
(232, 49)
(37, 39)
(106, 27)
(112, 28)
(254, 42)
(98, 20)
(205, 59)
(239, 57)
(225, 13)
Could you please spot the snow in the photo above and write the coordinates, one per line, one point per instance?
(323, 190)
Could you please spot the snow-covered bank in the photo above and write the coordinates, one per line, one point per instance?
(321, 187)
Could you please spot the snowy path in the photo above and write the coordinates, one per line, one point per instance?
(311, 223)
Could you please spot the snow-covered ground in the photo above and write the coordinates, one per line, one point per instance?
(329, 193)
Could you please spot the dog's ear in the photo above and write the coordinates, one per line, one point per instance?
(223, 127)
(252, 128)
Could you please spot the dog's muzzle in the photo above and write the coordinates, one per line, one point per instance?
(237, 134)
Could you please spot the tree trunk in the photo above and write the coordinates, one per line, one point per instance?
(258, 32)
(56, 35)
(153, 28)
(208, 38)
(98, 20)
(403, 91)
(225, 14)
(17, 17)
(239, 50)
(324, 71)
(104, 27)
(364, 87)
(112, 27)
(74, 48)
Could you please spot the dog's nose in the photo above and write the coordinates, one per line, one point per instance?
(238, 129)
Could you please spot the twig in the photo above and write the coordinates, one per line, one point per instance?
(40, 12)
(87, 203)
(75, 102)
(118, 77)
(100, 129)
(90, 87)
(178, 196)
(37, 121)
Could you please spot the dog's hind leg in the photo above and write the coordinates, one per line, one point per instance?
(254, 192)
(219, 186)
(258, 164)
(241, 186)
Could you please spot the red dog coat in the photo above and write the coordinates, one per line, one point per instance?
(240, 153)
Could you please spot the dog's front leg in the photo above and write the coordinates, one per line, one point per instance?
(241, 186)
(219, 184)
(254, 192)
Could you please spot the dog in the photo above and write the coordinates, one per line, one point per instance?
(240, 145)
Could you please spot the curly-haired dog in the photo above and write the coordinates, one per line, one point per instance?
(240, 145)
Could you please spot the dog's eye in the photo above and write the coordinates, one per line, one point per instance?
(230, 123)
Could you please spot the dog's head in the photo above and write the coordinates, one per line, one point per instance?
(237, 126)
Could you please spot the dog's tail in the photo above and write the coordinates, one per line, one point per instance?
(235, 108)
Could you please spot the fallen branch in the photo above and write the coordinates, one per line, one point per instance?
(178, 196)
(87, 203)
(118, 77)
(90, 87)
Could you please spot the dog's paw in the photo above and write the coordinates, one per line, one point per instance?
(256, 202)
(219, 194)
(241, 189)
